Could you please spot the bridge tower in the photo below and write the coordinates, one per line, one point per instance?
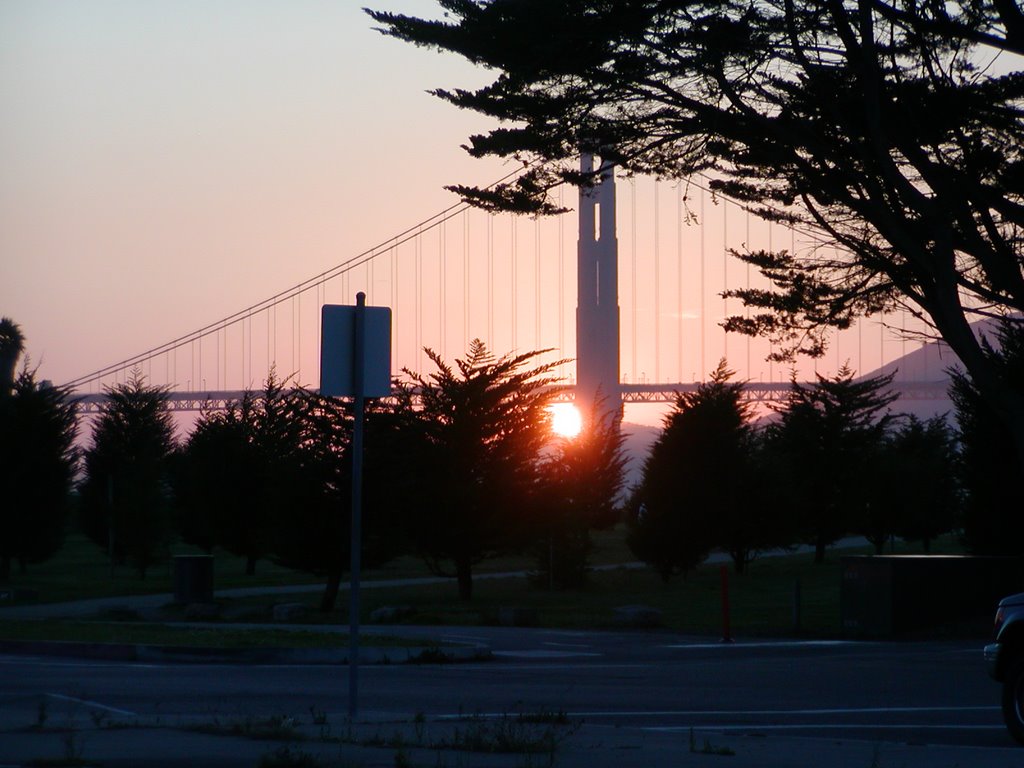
(597, 303)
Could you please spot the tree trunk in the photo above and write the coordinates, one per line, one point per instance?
(955, 330)
(250, 566)
(740, 558)
(330, 596)
(464, 572)
(819, 551)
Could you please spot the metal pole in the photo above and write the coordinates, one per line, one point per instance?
(726, 629)
(358, 357)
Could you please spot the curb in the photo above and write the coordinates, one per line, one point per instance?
(208, 655)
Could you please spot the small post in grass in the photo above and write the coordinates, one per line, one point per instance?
(796, 606)
(726, 631)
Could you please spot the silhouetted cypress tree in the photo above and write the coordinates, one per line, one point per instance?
(827, 444)
(991, 476)
(697, 491)
(478, 429)
(37, 463)
(125, 496)
(581, 483)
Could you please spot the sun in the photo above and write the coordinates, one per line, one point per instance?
(565, 419)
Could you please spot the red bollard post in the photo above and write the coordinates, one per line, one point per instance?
(726, 632)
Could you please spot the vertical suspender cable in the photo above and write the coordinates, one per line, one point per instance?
(633, 261)
(725, 272)
(515, 296)
(746, 311)
(537, 283)
(419, 299)
(490, 280)
(703, 301)
(771, 347)
(679, 281)
(657, 287)
(561, 280)
(442, 257)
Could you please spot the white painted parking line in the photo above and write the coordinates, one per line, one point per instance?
(569, 645)
(785, 712)
(47, 661)
(771, 644)
(93, 704)
(821, 727)
(471, 638)
(541, 654)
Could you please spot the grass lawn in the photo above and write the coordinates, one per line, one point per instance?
(761, 600)
(161, 634)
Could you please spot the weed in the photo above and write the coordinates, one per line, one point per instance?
(707, 748)
(73, 747)
(542, 717)
(402, 759)
(276, 728)
(99, 717)
(286, 757)
(42, 713)
(318, 715)
(431, 655)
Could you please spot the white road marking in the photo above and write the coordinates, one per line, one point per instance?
(569, 645)
(785, 712)
(474, 638)
(94, 704)
(822, 727)
(46, 661)
(541, 654)
(771, 644)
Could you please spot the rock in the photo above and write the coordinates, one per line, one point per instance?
(122, 613)
(391, 614)
(289, 611)
(518, 617)
(202, 612)
(248, 613)
(638, 617)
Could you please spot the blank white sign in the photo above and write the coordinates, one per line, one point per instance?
(337, 351)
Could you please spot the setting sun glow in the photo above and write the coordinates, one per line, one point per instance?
(565, 419)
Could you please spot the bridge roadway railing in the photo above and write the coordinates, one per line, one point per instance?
(755, 391)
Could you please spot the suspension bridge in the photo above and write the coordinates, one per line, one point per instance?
(628, 294)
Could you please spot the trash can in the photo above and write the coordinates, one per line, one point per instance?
(193, 579)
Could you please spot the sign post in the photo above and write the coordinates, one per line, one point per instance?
(355, 361)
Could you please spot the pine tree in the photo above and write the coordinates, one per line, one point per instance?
(125, 496)
(479, 428)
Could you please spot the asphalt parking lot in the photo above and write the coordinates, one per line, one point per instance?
(603, 698)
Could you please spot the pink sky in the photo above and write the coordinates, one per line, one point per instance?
(169, 163)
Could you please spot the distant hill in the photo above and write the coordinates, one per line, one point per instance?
(930, 362)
